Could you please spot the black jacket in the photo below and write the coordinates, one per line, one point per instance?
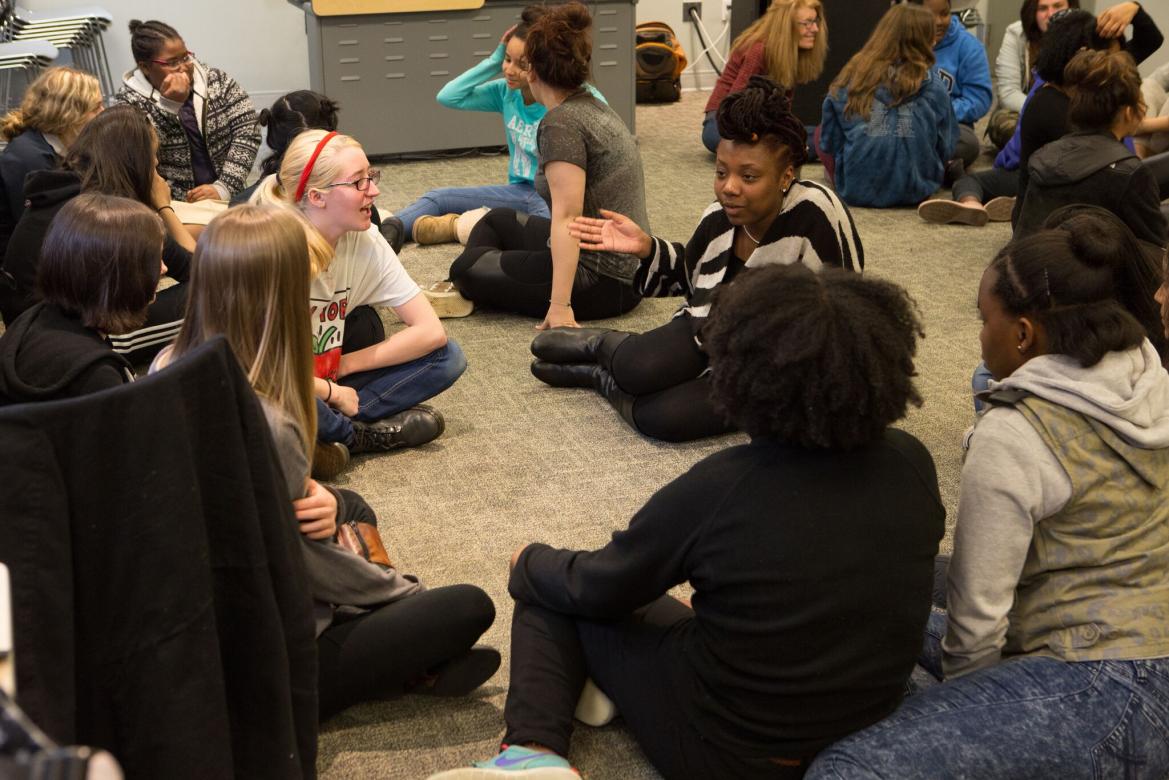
(1098, 170)
(160, 605)
(24, 154)
(45, 193)
(47, 355)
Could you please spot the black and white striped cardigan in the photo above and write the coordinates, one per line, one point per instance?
(814, 228)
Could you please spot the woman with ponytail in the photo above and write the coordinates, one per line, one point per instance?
(888, 124)
(54, 109)
(1092, 165)
(1051, 631)
(369, 388)
(588, 160)
(764, 215)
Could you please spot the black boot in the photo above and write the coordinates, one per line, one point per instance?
(606, 385)
(607, 348)
(569, 345)
(565, 374)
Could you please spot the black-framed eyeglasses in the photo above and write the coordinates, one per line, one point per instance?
(361, 185)
(177, 61)
(808, 24)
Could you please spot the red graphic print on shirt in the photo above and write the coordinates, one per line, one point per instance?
(328, 324)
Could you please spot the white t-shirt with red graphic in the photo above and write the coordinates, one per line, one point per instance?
(364, 272)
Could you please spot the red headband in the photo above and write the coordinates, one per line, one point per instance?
(308, 169)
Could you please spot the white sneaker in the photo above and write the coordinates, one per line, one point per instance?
(594, 707)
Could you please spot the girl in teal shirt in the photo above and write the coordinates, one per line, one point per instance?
(479, 89)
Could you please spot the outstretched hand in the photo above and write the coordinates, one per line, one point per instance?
(615, 233)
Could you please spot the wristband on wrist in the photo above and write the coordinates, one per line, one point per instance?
(160, 209)
(330, 386)
(565, 305)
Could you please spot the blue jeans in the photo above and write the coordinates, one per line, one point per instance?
(710, 136)
(386, 391)
(979, 381)
(1027, 717)
(456, 200)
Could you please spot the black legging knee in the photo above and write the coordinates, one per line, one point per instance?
(664, 369)
(380, 653)
(508, 264)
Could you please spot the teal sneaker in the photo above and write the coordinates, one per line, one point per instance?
(515, 761)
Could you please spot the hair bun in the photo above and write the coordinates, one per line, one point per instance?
(264, 117)
(1096, 241)
(575, 15)
(134, 25)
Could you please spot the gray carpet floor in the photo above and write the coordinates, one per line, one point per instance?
(523, 462)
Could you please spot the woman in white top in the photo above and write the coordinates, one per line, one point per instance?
(368, 387)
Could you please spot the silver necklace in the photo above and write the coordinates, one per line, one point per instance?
(748, 232)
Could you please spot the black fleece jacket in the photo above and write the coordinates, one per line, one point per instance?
(48, 355)
(1096, 169)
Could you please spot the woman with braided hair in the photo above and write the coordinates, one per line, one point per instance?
(763, 215)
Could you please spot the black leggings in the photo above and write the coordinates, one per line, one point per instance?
(379, 654)
(508, 265)
(639, 663)
(987, 185)
(664, 369)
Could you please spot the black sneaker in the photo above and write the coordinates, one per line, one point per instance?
(409, 428)
(394, 232)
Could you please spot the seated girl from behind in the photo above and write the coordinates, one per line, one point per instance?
(99, 267)
(888, 124)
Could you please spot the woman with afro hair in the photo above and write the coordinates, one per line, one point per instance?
(763, 215)
(810, 551)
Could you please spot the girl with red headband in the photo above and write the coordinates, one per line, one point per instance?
(369, 388)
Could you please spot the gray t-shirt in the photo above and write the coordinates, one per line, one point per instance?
(587, 133)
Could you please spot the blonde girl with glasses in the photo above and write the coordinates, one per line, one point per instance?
(368, 387)
(787, 44)
(54, 109)
(206, 122)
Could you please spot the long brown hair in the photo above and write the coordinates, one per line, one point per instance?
(114, 154)
(250, 283)
(787, 64)
(898, 56)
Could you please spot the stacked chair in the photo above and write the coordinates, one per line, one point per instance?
(29, 37)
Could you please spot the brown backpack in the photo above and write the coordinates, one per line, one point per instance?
(659, 60)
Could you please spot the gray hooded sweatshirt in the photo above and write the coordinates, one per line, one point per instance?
(1011, 481)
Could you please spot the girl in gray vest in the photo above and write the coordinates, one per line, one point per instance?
(1055, 639)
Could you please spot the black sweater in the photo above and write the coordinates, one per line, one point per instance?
(24, 154)
(47, 355)
(812, 572)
